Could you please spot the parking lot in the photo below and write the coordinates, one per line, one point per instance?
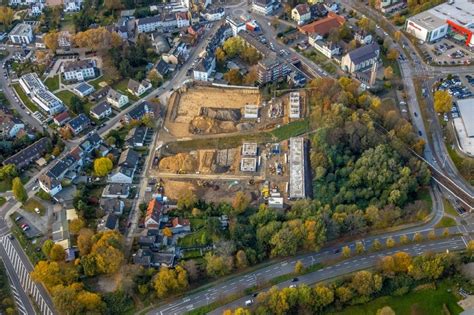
(447, 52)
(28, 229)
(459, 88)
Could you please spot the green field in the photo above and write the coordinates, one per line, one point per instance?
(422, 302)
(52, 83)
(25, 98)
(449, 209)
(446, 222)
(464, 165)
(192, 239)
(65, 96)
(2, 201)
(31, 204)
(292, 129)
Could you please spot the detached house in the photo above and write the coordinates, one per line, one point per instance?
(127, 163)
(138, 88)
(116, 99)
(101, 111)
(78, 124)
(153, 214)
(301, 13)
(141, 110)
(10, 126)
(79, 70)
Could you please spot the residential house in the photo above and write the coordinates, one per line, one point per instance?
(264, 7)
(50, 184)
(127, 163)
(180, 225)
(10, 126)
(296, 79)
(100, 94)
(84, 89)
(153, 214)
(324, 26)
(116, 99)
(136, 137)
(390, 6)
(196, 30)
(212, 15)
(318, 11)
(301, 13)
(160, 43)
(328, 49)
(177, 55)
(271, 69)
(149, 241)
(72, 5)
(78, 124)
(204, 68)
(101, 110)
(109, 223)
(140, 110)
(148, 258)
(360, 59)
(363, 37)
(182, 19)
(21, 34)
(149, 24)
(79, 70)
(125, 27)
(39, 42)
(92, 142)
(138, 88)
(112, 205)
(116, 191)
(162, 68)
(29, 154)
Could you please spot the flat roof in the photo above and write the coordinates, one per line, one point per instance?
(297, 168)
(460, 12)
(248, 164)
(249, 149)
(466, 109)
(428, 20)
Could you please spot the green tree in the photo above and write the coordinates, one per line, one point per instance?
(390, 242)
(18, 190)
(359, 247)
(217, 265)
(299, 267)
(169, 281)
(46, 248)
(186, 199)
(376, 245)
(154, 77)
(8, 172)
(417, 237)
(365, 283)
(442, 102)
(102, 166)
(240, 202)
(241, 259)
(404, 239)
(323, 296)
(233, 76)
(57, 253)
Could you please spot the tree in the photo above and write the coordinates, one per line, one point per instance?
(233, 77)
(107, 251)
(167, 232)
(404, 239)
(432, 235)
(417, 237)
(51, 40)
(388, 73)
(77, 105)
(386, 310)
(251, 77)
(402, 261)
(390, 242)
(299, 267)
(65, 133)
(442, 102)
(376, 245)
(220, 56)
(217, 265)
(46, 248)
(6, 16)
(344, 294)
(397, 35)
(233, 46)
(8, 172)
(76, 225)
(186, 199)
(112, 4)
(359, 247)
(240, 202)
(470, 248)
(387, 265)
(446, 233)
(323, 296)
(365, 283)
(169, 281)
(315, 232)
(392, 54)
(154, 77)
(84, 241)
(18, 190)
(346, 252)
(102, 166)
(57, 253)
(241, 259)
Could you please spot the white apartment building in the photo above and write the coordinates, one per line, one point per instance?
(149, 24)
(21, 34)
(79, 70)
(39, 94)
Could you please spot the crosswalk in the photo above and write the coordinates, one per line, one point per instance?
(19, 303)
(26, 282)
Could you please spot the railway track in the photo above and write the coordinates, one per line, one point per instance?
(464, 199)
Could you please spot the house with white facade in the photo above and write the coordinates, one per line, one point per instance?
(360, 59)
(264, 7)
(21, 34)
(79, 70)
(204, 68)
(328, 49)
(39, 94)
(117, 99)
(301, 13)
(138, 88)
(101, 111)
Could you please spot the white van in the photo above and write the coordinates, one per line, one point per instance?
(248, 302)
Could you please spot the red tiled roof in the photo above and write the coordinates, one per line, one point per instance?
(323, 26)
(61, 116)
(153, 211)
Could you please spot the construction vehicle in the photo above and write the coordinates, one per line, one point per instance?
(266, 190)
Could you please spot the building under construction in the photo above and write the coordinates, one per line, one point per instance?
(297, 189)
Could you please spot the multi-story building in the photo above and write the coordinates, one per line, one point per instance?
(389, 6)
(213, 14)
(271, 70)
(21, 34)
(235, 25)
(116, 99)
(29, 154)
(328, 49)
(204, 68)
(182, 19)
(79, 70)
(264, 7)
(149, 24)
(39, 94)
(301, 13)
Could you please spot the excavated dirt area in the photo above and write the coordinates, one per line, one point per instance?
(202, 161)
(209, 110)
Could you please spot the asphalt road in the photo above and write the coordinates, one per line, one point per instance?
(344, 267)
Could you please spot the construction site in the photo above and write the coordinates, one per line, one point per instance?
(273, 173)
(208, 110)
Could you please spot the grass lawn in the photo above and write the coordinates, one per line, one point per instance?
(422, 302)
(52, 83)
(321, 60)
(31, 204)
(121, 87)
(449, 209)
(446, 222)
(393, 64)
(292, 129)
(424, 194)
(67, 23)
(2, 201)
(192, 239)
(65, 96)
(197, 224)
(5, 185)
(25, 98)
